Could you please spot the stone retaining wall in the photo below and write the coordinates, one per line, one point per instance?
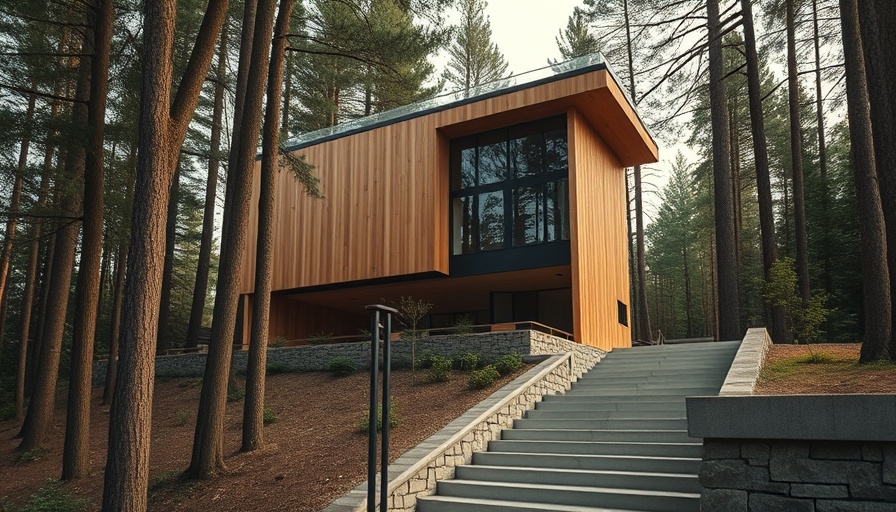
(798, 476)
(311, 358)
(435, 459)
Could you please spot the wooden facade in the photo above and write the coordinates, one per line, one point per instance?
(385, 216)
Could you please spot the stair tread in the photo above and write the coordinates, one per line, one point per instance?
(521, 505)
(576, 488)
(588, 471)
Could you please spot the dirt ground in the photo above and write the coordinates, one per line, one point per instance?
(314, 453)
(824, 368)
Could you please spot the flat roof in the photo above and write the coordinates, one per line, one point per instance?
(528, 79)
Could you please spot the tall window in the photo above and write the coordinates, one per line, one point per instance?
(510, 187)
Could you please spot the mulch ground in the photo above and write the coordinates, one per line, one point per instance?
(314, 452)
(825, 368)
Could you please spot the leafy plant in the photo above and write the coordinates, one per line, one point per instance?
(235, 392)
(481, 379)
(182, 417)
(268, 416)
(463, 325)
(279, 341)
(441, 369)
(7, 411)
(52, 498)
(410, 312)
(394, 420)
(805, 318)
(319, 338)
(508, 363)
(29, 455)
(468, 362)
(275, 367)
(342, 366)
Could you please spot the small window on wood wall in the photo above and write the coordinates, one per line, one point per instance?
(623, 313)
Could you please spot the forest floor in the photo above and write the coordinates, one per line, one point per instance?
(825, 368)
(314, 451)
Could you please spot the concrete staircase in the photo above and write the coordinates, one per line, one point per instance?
(617, 441)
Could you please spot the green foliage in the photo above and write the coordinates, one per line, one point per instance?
(423, 362)
(508, 363)
(268, 416)
(468, 362)
(441, 369)
(473, 58)
(805, 319)
(49, 498)
(816, 358)
(481, 379)
(576, 40)
(463, 325)
(394, 420)
(182, 417)
(157, 482)
(320, 337)
(29, 455)
(275, 367)
(410, 312)
(342, 366)
(7, 411)
(279, 341)
(235, 392)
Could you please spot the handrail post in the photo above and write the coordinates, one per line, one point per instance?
(383, 313)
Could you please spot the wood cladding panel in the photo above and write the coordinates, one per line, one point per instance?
(295, 319)
(598, 243)
(385, 211)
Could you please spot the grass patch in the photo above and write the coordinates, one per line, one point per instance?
(181, 418)
(825, 372)
(277, 367)
(29, 455)
(49, 498)
(269, 417)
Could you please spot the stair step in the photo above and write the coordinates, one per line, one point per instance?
(671, 482)
(621, 424)
(687, 465)
(630, 399)
(631, 436)
(693, 391)
(601, 371)
(455, 504)
(655, 501)
(610, 384)
(604, 415)
(648, 379)
(677, 405)
(598, 448)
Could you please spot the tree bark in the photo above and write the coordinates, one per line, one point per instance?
(98, 39)
(208, 443)
(39, 419)
(200, 288)
(253, 405)
(163, 126)
(769, 243)
(875, 274)
(822, 155)
(164, 341)
(796, 157)
(877, 25)
(726, 256)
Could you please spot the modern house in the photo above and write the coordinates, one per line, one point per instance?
(505, 204)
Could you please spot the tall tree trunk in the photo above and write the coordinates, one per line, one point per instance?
(200, 288)
(769, 243)
(98, 40)
(687, 293)
(726, 256)
(796, 158)
(162, 128)
(208, 443)
(632, 265)
(39, 418)
(163, 342)
(253, 405)
(287, 96)
(877, 25)
(822, 155)
(13, 213)
(875, 274)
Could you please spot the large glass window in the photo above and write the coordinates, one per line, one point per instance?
(510, 187)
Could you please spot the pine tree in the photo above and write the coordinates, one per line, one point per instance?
(474, 58)
(576, 39)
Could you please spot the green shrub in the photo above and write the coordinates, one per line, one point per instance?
(7, 411)
(480, 379)
(52, 498)
(319, 338)
(235, 392)
(509, 363)
(342, 366)
(268, 416)
(468, 362)
(463, 325)
(182, 417)
(279, 341)
(275, 367)
(441, 369)
(423, 362)
(394, 420)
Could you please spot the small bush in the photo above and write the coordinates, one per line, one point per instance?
(182, 417)
(509, 363)
(268, 416)
(394, 420)
(481, 379)
(468, 362)
(29, 455)
(52, 498)
(7, 411)
(235, 392)
(817, 358)
(275, 367)
(441, 369)
(423, 362)
(320, 338)
(277, 342)
(463, 325)
(342, 366)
